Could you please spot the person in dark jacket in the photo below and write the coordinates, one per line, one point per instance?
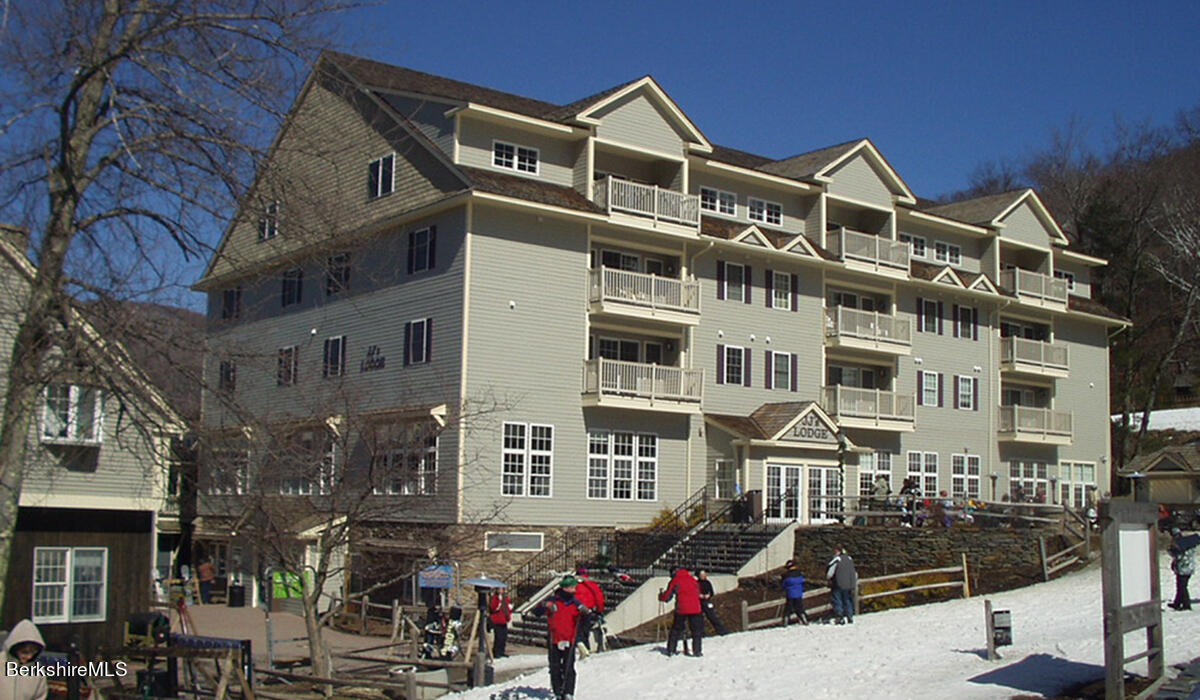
(686, 591)
(589, 593)
(1183, 564)
(793, 586)
(562, 611)
(499, 614)
(843, 579)
(706, 601)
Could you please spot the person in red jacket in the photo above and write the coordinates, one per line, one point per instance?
(563, 611)
(500, 614)
(589, 593)
(686, 590)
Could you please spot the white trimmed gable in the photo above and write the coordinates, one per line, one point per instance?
(862, 174)
(1028, 221)
(643, 115)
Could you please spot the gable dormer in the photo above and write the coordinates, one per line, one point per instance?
(640, 114)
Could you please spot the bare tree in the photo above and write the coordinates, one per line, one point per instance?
(131, 128)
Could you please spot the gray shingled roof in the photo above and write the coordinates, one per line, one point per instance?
(981, 210)
(570, 110)
(528, 189)
(805, 165)
(765, 422)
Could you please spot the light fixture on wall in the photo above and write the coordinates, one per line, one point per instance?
(720, 334)
(751, 337)
(918, 361)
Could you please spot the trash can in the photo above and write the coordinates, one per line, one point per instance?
(237, 596)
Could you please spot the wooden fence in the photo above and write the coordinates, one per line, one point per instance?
(778, 605)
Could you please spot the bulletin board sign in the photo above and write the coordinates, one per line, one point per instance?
(1129, 556)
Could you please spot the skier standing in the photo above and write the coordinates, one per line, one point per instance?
(589, 593)
(686, 590)
(843, 579)
(562, 612)
(706, 603)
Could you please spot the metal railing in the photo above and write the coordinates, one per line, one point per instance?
(613, 194)
(847, 244)
(876, 404)
(1035, 421)
(640, 380)
(868, 325)
(640, 289)
(1026, 283)
(1033, 352)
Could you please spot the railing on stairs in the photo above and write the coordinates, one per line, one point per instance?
(736, 511)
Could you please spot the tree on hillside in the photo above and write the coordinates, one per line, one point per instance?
(130, 126)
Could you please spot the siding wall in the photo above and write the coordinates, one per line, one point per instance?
(1023, 226)
(637, 121)
(556, 156)
(430, 117)
(796, 207)
(1083, 276)
(856, 179)
(1085, 393)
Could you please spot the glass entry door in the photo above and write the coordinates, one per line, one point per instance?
(783, 492)
(824, 494)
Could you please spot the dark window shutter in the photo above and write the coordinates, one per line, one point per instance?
(720, 364)
(746, 355)
(747, 284)
(407, 344)
(720, 279)
(920, 388)
(941, 381)
(768, 365)
(954, 315)
(975, 324)
(372, 180)
(769, 285)
(411, 254)
(429, 340)
(325, 366)
(432, 248)
(795, 303)
(975, 393)
(920, 315)
(795, 371)
(954, 393)
(939, 318)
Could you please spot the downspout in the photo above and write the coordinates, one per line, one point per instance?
(993, 407)
(691, 359)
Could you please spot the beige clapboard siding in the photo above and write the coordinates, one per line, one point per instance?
(1022, 225)
(856, 179)
(1083, 276)
(1085, 393)
(318, 173)
(556, 156)
(795, 206)
(430, 117)
(635, 120)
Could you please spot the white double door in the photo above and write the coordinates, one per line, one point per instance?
(790, 495)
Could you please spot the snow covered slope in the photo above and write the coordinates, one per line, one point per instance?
(931, 651)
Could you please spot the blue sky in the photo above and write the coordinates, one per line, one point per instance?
(940, 87)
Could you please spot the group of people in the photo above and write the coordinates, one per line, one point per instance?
(843, 580)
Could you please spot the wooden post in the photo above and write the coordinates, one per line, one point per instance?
(991, 630)
(410, 684)
(362, 618)
(966, 577)
(1042, 549)
(745, 616)
(396, 628)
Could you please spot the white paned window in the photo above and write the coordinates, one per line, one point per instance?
(764, 211)
(228, 471)
(735, 282)
(647, 467)
(947, 253)
(527, 459)
(623, 466)
(915, 463)
(966, 393)
(410, 471)
(1031, 477)
(916, 244)
(781, 372)
(929, 316)
(381, 176)
(598, 465)
(781, 291)
(964, 476)
(70, 584)
(726, 478)
(1076, 479)
(335, 357)
(72, 414)
(718, 201)
(513, 157)
(1068, 276)
(870, 466)
(929, 388)
(735, 364)
(311, 466)
(929, 482)
(268, 223)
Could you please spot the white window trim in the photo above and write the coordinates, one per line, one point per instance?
(636, 459)
(291, 354)
(293, 278)
(765, 205)
(787, 359)
(395, 468)
(926, 376)
(516, 158)
(378, 164)
(326, 372)
(241, 475)
(423, 262)
(969, 403)
(720, 198)
(413, 346)
(741, 376)
(268, 223)
(927, 318)
(540, 535)
(960, 468)
(526, 453)
(914, 242)
(741, 287)
(73, 399)
(784, 304)
(68, 587)
(1068, 276)
(731, 490)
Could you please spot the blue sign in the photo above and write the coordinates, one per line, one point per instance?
(441, 576)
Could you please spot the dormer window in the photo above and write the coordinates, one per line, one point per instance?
(381, 178)
(947, 253)
(71, 414)
(718, 201)
(916, 244)
(268, 223)
(766, 212)
(512, 157)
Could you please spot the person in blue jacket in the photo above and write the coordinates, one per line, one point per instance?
(793, 585)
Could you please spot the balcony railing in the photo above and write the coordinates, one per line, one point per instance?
(865, 247)
(1022, 351)
(616, 195)
(649, 291)
(875, 404)
(1026, 283)
(638, 380)
(868, 325)
(1036, 422)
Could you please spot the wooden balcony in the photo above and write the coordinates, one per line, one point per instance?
(642, 386)
(867, 251)
(1034, 287)
(873, 409)
(651, 202)
(638, 295)
(1038, 425)
(867, 330)
(1024, 356)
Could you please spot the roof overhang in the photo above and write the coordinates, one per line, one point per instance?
(492, 114)
(900, 189)
(658, 95)
(942, 222)
(1080, 257)
(1039, 210)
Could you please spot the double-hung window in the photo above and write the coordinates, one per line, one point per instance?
(779, 370)
(947, 253)
(287, 371)
(929, 316)
(725, 476)
(964, 476)
(268, 223)
(227, 376)
(381, 176)
(70, 584)
(292, 289)
(231, 304)
(527, 460)
(764, 211)
(310, 465)
(622, 466)
(923, 468)
(930, 391)
(966, 391)
(418, 341)
(422, 249)
(337, 274)
(734, 283)
(410, 471)
(718, 201)
(335, 357)
(733, 365)
(1032, 477)
(781, 290)
(916, 244)
(72, 414)
(228, 472)
(512, 157)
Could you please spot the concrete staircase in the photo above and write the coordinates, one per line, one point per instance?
(719, 548)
